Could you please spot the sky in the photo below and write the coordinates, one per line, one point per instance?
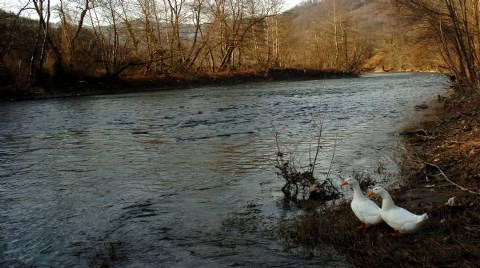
(288, 3)
(292, 3)
(7, 4)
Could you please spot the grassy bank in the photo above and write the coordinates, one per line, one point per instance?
(126, 84)
(442, 160)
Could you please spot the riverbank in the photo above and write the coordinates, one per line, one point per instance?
(441, 161)
(130, 84)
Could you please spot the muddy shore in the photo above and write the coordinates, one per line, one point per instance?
(441, 161)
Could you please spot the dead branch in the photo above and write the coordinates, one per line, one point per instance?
(447, 179)
(318, 146)
(418, 132)
(333, 155)
(305, 179)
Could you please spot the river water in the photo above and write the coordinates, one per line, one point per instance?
(185, 178)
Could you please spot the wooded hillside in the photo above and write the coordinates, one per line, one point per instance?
(66, 41)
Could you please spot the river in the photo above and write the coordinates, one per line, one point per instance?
(185, 178)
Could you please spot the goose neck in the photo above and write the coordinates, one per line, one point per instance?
(387, 201)
(357, 192)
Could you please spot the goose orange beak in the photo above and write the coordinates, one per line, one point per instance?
(343, 183)
(370, 194)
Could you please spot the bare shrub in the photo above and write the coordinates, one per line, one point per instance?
(300, 179)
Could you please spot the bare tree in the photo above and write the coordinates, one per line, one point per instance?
(72, 23)
(11, 31)
(456, 24)
(151, 35)
(115, 48)
(234, 21)
(44, 44)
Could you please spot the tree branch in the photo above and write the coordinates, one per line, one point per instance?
(450, 181)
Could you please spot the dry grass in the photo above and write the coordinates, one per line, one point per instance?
(451, 237)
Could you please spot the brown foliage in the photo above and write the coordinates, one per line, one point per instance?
(173, 39)
(453, 25)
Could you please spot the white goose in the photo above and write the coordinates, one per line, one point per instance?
(365, 209)
(400, 219)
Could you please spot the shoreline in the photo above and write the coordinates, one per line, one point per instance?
(441, 160)
(98, 86)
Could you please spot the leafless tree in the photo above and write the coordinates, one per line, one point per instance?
(11, 30)
(72, 23)
(456, 24)
(116, 50)
(44, 44)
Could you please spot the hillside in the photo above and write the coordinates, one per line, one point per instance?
(392, 42)
(194, 42)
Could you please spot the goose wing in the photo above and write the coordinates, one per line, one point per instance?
(402, 220)
(366, 211)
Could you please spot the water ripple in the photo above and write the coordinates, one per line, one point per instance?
(184, 177)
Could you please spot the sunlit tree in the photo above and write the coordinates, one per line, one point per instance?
(456, 28)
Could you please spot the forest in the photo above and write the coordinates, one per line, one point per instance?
(56, 45)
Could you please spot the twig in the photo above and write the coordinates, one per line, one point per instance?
(276, 142)
(333, 155)
(421, 132)
(303, 177)
(446, 178)
(418, 132)
(318, 147)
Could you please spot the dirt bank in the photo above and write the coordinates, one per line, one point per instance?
(442, 160)
(127, 84)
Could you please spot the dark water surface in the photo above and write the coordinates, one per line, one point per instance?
(184, 178)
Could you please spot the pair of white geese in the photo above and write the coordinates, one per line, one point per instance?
(369, 213)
